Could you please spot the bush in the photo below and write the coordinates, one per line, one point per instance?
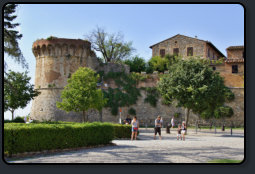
(230, 96)
(122, 131)
(136, 64)
(159, 63)
(20, 138)
(18, 120)
(7, 121)
(223, 111)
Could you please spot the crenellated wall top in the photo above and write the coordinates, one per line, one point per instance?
(60, 47)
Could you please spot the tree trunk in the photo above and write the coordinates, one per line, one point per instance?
(101, 115)
(12, 111)
(187, 119)
(86, 117)
(83, 116)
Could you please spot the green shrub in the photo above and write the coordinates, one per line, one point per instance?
(148, 69)
(159, 63)
(18, 120)
(122, 131)
(230, 96)
(136, 64)
(223, 111)
(7, 121)
(20, 138)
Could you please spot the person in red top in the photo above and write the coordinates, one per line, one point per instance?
(135, 127)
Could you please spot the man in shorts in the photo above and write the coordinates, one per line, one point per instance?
(157, 129)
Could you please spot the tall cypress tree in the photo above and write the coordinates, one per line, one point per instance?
(11, 36)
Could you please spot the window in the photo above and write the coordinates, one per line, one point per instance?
(162, 52)
(190, 51)
(214, 68)
(213, 56)
(176, 51)
(234, 69)
(208, 52)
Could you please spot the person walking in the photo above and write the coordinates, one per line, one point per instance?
(183, 128)
(157, 129)
(135, 127)
(172, 122)
(179, 129)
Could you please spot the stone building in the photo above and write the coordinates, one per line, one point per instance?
(235, 60)
(185, 46)
(56, 60)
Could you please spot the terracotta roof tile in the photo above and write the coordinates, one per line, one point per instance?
(235, 47)
(234, 60)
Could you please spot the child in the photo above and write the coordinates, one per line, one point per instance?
(179, 132)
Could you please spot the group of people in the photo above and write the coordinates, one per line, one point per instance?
(181, 130)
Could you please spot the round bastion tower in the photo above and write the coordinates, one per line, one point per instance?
(56, 60)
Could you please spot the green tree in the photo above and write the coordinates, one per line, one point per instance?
(81, 93)
(24, 91)
(136, 64)
(11, 36)
(159, 63)
(195, 86)
(111, 46)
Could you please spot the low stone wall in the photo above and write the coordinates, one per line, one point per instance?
(45, 107)
(146, 114)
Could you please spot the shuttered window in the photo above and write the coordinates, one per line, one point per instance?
(190, 51)
(176, 51)
(162, 52)
(234, 69)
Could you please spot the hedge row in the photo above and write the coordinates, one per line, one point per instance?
(20, 137)
(122, 131)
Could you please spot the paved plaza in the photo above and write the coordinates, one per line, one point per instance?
(197, 148)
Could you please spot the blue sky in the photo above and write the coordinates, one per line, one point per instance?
(143, 24)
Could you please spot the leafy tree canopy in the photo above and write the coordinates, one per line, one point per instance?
(194, 85)
(81, 93)
(161, 64)
(11, 36)
(24, 91)
(111, 46)
(136, 64)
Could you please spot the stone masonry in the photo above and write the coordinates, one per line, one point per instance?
(57, 59)
(200, 47)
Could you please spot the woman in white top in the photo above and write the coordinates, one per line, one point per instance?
(135, 126)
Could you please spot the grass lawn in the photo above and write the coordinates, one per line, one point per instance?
(224, 161)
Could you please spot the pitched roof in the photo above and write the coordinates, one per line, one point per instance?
(208, 42)
(235, 47)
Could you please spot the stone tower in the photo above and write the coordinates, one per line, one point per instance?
(56, 60)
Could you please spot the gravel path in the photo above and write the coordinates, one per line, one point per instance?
(198, 148)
